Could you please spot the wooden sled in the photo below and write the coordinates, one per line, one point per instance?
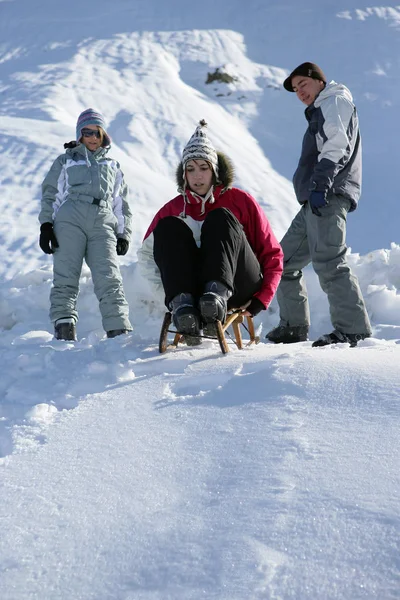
(234, 319)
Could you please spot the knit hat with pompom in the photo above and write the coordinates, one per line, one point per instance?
(199, 147)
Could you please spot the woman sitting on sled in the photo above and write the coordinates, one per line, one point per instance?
(211, 246)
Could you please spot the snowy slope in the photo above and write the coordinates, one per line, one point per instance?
(272, 472)
(265, 474)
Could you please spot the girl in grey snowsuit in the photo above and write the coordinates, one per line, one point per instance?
(85, 215)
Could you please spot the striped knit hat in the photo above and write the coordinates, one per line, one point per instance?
(200, 147)
(90, 116)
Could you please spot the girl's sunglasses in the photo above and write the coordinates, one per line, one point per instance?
(90, 132)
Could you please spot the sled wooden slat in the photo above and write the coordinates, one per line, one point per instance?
(238, 334)
(163, 345)
(253, 338)
(221, 338)
(230, 319)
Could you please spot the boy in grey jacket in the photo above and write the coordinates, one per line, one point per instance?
(85, 215)
(327, 184)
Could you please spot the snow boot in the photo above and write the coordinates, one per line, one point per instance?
(186, 318)
(337, 337)
(64, 329)
(213, 306)
(114, 332)
(285, 334)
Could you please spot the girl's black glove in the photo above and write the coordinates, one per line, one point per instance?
(122, 246)
(47, 240)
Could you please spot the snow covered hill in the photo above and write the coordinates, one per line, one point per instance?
(272, 472)
(264, 474)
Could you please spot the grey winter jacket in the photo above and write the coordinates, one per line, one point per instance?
(79, 174)
(330, 158)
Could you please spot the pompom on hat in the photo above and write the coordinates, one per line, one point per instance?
(199, 147)
(90, 116)
(306, 69)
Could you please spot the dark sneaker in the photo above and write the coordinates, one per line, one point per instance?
(186, 319)
(114, 332)
(64, 329)
(337, 337)
(285, 334)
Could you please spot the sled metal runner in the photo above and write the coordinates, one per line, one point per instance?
(234, 319)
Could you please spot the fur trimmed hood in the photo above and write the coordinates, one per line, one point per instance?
(226, 172)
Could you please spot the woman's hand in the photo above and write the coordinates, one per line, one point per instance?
(244, 310)
(252, 307)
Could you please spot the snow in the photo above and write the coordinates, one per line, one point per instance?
(271, 472)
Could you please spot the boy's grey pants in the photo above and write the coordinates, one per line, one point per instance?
(87, 231)
(322, 241)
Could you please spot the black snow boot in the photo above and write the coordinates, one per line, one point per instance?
(114, 332)
(64, 329)
(285, 334)
(337, 337)
(186, 318)
(213, 306)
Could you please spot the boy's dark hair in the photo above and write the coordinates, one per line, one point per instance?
(306, 69)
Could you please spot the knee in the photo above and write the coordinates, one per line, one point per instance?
(220, 215)
(222, 219)
(171, 226)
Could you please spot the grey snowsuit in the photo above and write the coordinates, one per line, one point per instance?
(330, 162)
(84, 195)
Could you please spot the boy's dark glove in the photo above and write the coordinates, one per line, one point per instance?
(122, 246)
(255, 307)
(47, 240)
(317, 200)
